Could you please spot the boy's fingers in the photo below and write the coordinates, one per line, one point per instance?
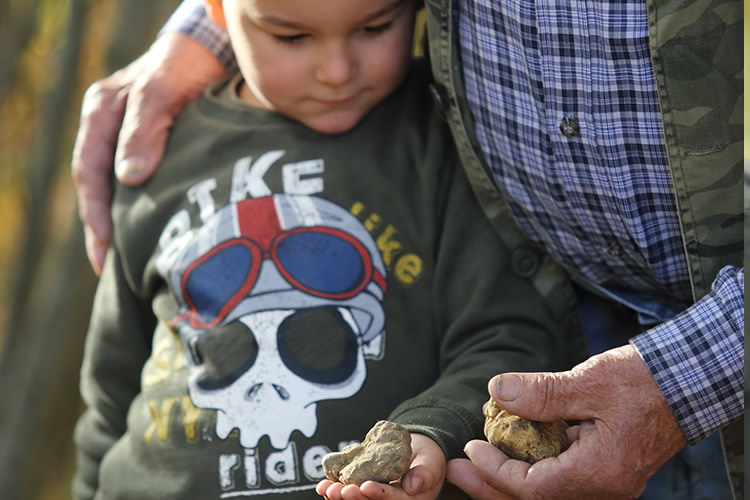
(333, 491)
(352, 492)
(322, 486)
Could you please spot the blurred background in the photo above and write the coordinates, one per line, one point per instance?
(50, 51)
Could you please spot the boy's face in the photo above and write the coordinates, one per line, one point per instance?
(324, 63)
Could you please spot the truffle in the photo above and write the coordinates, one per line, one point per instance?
(383, 456)
(523, 439)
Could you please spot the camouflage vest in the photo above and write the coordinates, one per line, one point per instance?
(696, 52)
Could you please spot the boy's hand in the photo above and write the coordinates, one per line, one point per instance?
(125, 118)
(422, 481)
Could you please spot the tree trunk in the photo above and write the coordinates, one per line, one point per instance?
(16, 29)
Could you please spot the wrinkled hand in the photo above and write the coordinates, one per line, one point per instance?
(626, 433)
(422, 481)
(125, 118)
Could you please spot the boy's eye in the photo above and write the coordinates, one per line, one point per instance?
(290, 39)
(378, 28)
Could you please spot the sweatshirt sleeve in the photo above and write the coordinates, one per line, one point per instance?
(489, 319)
(117, 346)
(698, 357)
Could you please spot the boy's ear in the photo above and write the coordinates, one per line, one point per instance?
(215, 11)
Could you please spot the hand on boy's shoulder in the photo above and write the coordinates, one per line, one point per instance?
(127, 116)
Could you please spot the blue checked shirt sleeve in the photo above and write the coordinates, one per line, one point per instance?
(191, 19)
(698, 357)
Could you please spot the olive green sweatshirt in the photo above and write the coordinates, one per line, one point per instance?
(272, 292)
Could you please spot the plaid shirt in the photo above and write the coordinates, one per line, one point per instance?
(568, 118)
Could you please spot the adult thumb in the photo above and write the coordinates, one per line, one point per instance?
(542, 397)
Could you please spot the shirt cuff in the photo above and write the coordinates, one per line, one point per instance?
(191, 19)
(698, 357)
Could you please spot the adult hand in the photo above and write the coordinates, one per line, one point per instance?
(422, 481)
(626, 433)
(125, 118)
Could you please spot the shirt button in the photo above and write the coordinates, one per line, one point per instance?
(524, 262)
(569, 127)
(614, 250)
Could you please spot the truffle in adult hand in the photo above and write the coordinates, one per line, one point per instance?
(383, 456)
(523, 439)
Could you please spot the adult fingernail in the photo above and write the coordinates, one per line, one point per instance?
(508, 387)
(130, 168)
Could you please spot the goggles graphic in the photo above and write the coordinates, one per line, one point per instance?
(315, 344)
(320, 261)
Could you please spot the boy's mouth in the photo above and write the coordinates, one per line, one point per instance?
(336, 102)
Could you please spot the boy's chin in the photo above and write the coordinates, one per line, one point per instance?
(339, 123)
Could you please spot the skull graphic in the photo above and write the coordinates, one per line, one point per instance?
(280, 304)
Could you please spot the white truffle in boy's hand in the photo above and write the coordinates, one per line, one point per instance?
(383, 456)
(523, 439)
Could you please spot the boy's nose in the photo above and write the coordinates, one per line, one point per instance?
(336, 65)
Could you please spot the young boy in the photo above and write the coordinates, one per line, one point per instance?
(308, 260)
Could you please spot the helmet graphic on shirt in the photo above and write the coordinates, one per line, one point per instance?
(280, 304)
